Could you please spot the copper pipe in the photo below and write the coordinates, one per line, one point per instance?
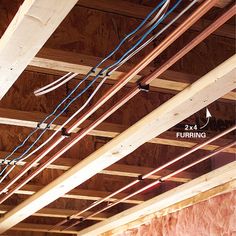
(194, 17)
(165, 43)
(209, 30)
(195, 148)
(26, 168)
(170, 39)
(203, 35)
(198, 146)
(160, 180)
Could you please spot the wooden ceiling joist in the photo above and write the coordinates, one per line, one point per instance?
(57, 213)
(229, 186)
(83, 194)
(116, 169)
(106, 129)
(32, 25)
(42, 228)
(53, 61)
(126, 8)
(168, 199)
(201, 93)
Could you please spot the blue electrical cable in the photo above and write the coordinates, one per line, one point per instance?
(145, 35)
(46, 118)
(86, 77)
(89, 85)
(132, 33)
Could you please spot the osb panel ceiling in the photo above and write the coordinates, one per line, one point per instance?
(86, 35)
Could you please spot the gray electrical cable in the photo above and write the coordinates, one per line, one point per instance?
(100, 84)
(62, 80)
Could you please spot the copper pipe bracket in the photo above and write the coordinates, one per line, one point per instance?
(144, 88)
(64, 133)
(140, 178)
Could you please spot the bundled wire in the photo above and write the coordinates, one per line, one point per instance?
(107, 198)
(62, 80)
(56, 84)
(102, 73)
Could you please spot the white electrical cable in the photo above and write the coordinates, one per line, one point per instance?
(156, 35)
(154, 19)
(95, 91)
(58, 83)
(49, 85)
(58, 130)
(48, 88)
(100, 84)
(5, 175)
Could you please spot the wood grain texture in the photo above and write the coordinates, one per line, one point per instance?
(56, 213)
(82, 194)
(116, 169)
(32, 25)
(106, 129)
(56, 61)
(229, 187)
(201, 93)
(139, 11)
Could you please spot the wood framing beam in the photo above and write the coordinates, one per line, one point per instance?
(32, 25)
(186, 191)
(56, 61)
(116, 169)
(42, 228)
(83, 194)
(139, 11)
(57, 213)
(201, 93)
(108, 130)
(178, 206)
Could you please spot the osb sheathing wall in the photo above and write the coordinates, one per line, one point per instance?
(214, 217)
(94, 32)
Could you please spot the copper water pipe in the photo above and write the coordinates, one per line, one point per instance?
(194, 17)
(160, 180)
(182, 28)
(197, 40)
(141, 177)
(210, 29)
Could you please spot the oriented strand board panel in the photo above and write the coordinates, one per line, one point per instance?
(56, 61)
(139, 11)
(108, 130)
(200, 94)
(33, 24)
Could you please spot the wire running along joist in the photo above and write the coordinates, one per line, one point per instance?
(72, 75)
(54, 157)
(71, 128)
(196, 15)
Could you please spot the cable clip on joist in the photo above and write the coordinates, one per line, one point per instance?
(92, 71)
(40, 126)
